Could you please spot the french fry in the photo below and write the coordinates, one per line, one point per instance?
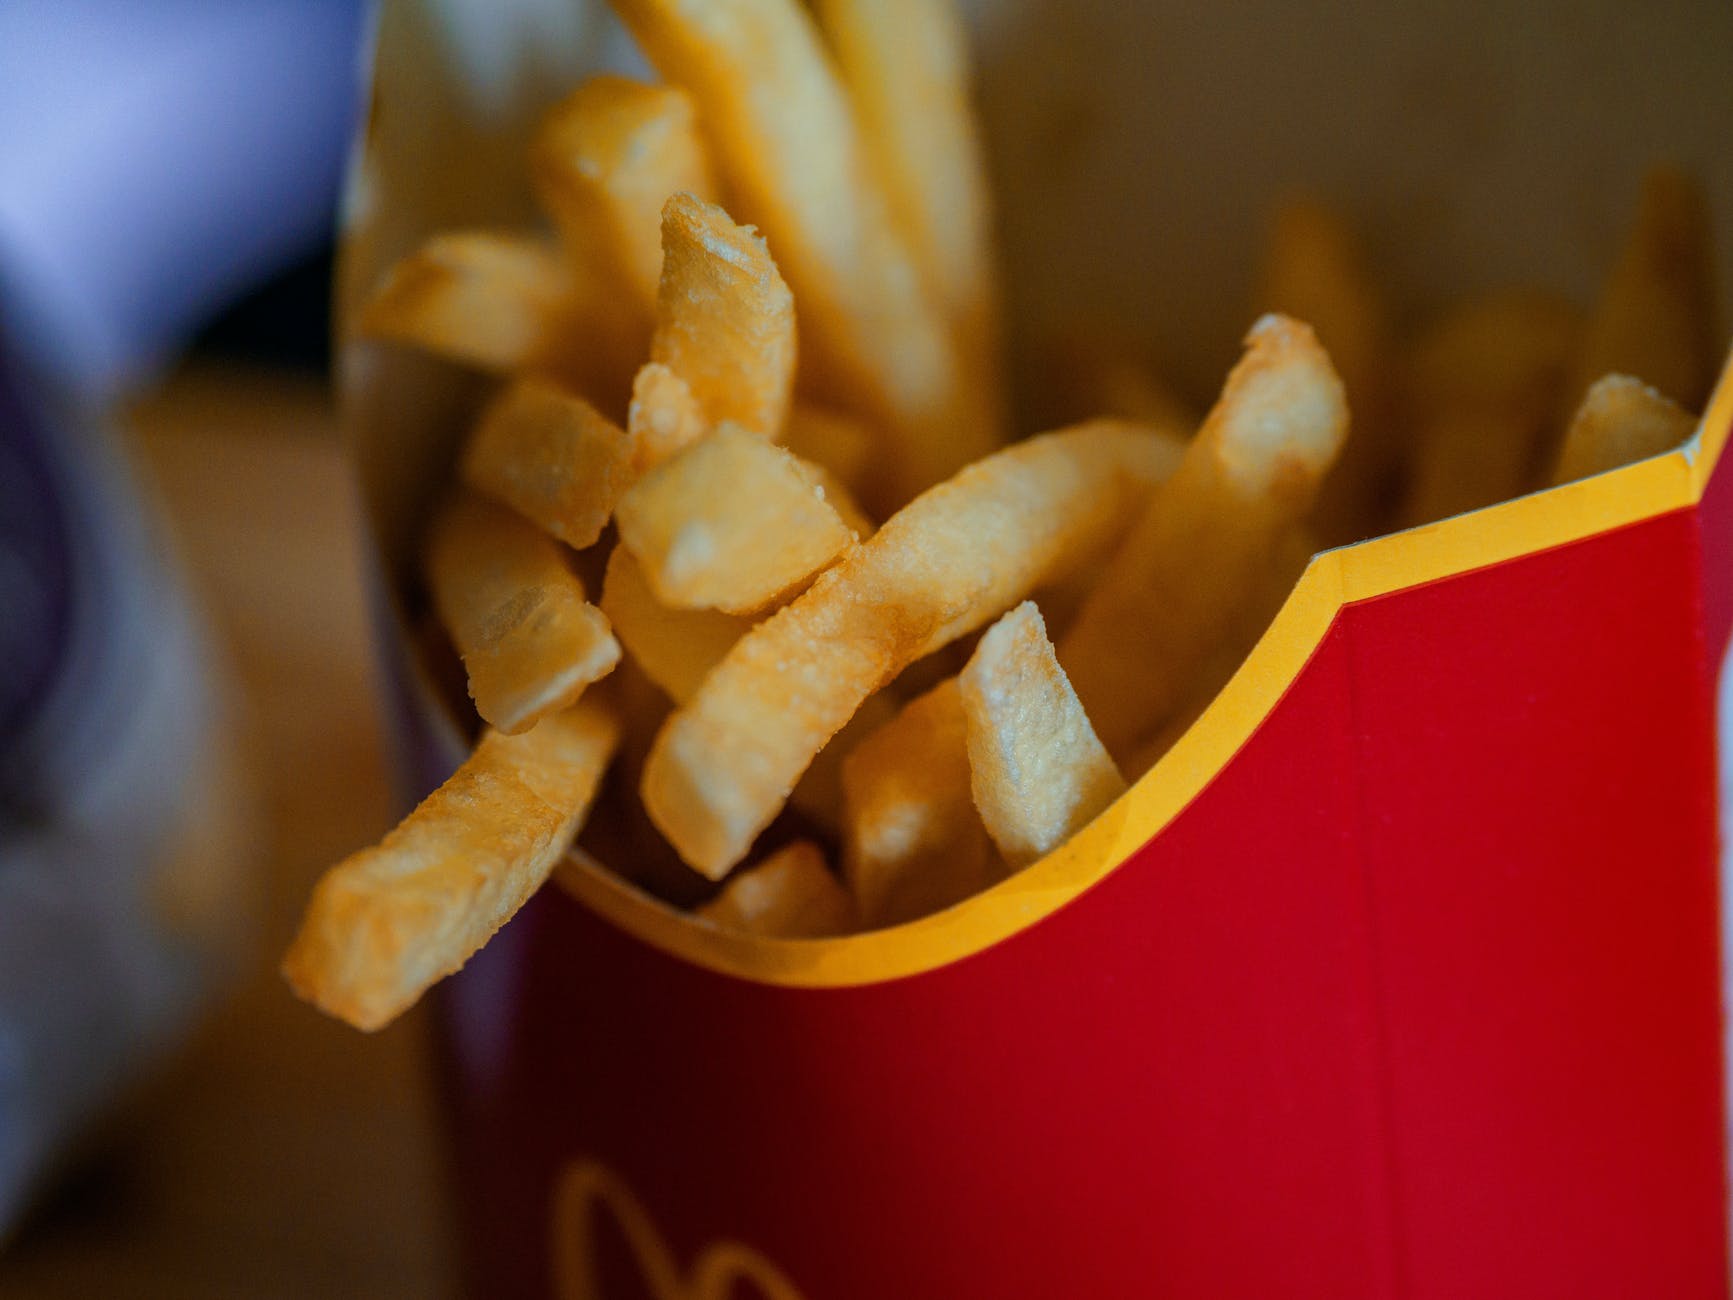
(913, 842)
(1038, 771)
(1656, 316)
(1173, 587)
(724, 318)
(605, 160)
(494, 301)
(1621, 420)
(782, 131)
(730, 523)
(1484, 384)
(389, 921)
(1314, 271)
(552, 457)
(530, 642)
(905, 64)
(663, 416)
(944, 565)
(674, 647)
(790, 895)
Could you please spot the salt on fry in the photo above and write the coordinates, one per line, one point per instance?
(552, 457)
(913, 842)
(724, 318)
(663, 416)
(386, 923)
(944, 565)
(494, 301)
(1314, 271)
(1655, 319)
(605, 160)
(516, 612)
(792, 894)
(782, 132)
(1174, 586)
(1621, 420)
(1484, 383)
(1038, 771)
(730, 523)
(674, 647)
(905, 65)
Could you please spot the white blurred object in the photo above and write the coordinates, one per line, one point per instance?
(156, 160)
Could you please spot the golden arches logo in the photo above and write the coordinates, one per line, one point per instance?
(587, 1189)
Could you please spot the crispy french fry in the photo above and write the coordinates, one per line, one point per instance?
(605, 160)
(1170, 593)
(1038, 771)
(944, 565)
(1656, 316)
(494, 301)
(530, 641)
(781, 130)
(730, 523)
(724, 318)
(790, 895)
(389, 921)
(1620, 420)
(552, 457)
(1313, 271)
(1484, 383)
(905, 64)
(664, 416)
(913, 842)
(674, 647)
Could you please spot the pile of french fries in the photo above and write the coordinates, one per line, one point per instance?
(857, 654)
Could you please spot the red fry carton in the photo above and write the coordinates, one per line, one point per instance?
(1397, 977)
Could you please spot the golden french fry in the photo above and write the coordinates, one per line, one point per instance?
(1168, 597)
(605, 160)
(790, 895)
(1621, 420)
(724, 318)
(674, 647)
(1313, 271)
(389, 921)
(664, 416)
(944, 565)
(1656, 316)
(731, 523)
(1484, 383)
(495, 301)
(530, 641)
(913, 842)
(782, 131)
(905, 64)
(552, 457)
(1038, 771)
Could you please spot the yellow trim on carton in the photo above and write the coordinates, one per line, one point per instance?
(1536, 522)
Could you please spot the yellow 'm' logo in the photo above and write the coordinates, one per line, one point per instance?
(587, 1189)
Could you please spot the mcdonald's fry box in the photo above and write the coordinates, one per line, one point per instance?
(1397, 977)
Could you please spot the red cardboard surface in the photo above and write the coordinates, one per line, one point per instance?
(1418, 998)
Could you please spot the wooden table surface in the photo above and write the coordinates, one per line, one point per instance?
(278, 1154)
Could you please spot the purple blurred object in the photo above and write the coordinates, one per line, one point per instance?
(156, 160)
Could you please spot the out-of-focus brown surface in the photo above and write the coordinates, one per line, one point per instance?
(280, 1154)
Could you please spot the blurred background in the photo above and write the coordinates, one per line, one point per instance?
(188, 722)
